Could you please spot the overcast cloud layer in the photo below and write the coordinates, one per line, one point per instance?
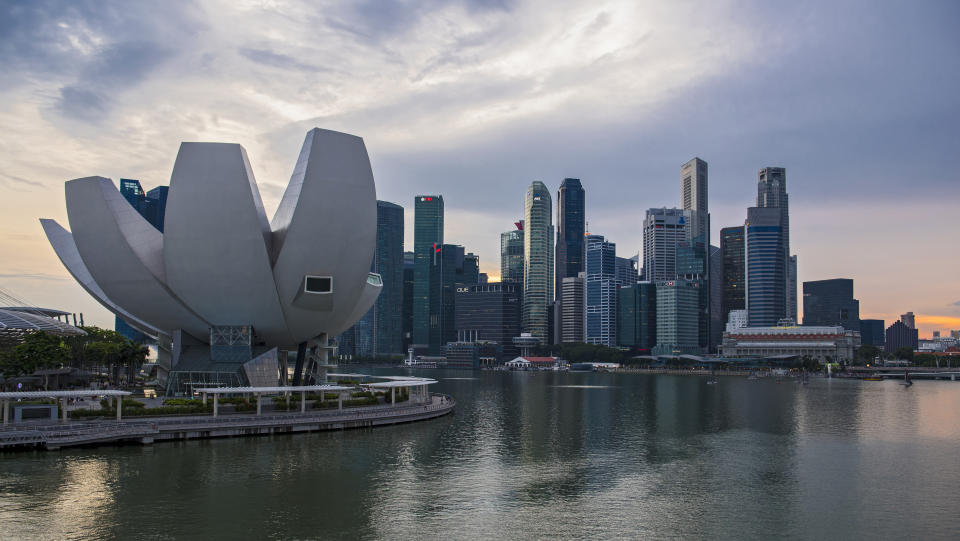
(474, 100)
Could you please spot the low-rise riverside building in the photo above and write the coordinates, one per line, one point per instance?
(833, 343)
(532, 363)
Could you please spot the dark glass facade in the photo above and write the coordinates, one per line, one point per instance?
(766, 268)
(490, 313)
(427, 242)
(831, 302)
(733, 271)
(445, 276)
(151, 205)
(511, 255)
(407, 300)
(692, 266)
(470, 274)
(637, 316)
(627, 272)
(871, 332)
(899, 336)
(379, 333)
(571, 227)
(388, 317)
(772, 193)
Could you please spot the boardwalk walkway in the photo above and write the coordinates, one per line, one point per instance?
(151, 429)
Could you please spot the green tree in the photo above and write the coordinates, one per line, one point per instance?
(904, 353)
(39, 350)
(867, 353)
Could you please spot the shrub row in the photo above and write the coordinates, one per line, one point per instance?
(141, 412)
(368, 401)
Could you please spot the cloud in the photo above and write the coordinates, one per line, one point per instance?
(81, 103)
(277, 60)
(19, 183)
(33, 276)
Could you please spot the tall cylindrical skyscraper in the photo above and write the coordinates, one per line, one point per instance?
(538, 261)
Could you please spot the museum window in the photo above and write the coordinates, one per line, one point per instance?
(318, 284)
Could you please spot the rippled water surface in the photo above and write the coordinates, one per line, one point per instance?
(532, 456)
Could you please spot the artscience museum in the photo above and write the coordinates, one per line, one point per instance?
(227, 294)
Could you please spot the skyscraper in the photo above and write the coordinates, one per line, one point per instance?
(427, 242)
(717, 317)
(601, 300)
(490, 313)
(447, 274)
(626, 273)
(766, 267)
(388, 263)
(511, 255)
(131, 190)
(829, 303)
(772, 193)
(901, 335)
(733, 263)
(678, 324)
(693, 187)
(637, 316)
(909, 320)
(537, 261)
(871, 332)
(572, 310)
(408, 266)
(663, 230)
(694, 198)
(380, 331)
(792, 287)
(571, 227)
(470, 275)
(692, 265)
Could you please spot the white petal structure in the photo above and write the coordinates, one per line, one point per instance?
(218, 262)
(326, 226)
(215, 241)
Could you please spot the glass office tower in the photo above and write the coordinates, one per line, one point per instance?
(538, 261)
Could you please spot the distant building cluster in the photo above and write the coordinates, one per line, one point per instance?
(564, 284)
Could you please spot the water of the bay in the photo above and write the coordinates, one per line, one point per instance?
(533, 456)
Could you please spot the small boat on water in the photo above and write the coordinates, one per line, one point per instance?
(873, 378)
(906, 380)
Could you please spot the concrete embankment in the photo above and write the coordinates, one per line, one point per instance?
(156, 429)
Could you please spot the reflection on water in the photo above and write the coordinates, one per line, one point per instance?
(531, 455)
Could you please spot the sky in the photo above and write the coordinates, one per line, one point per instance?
(858, 100)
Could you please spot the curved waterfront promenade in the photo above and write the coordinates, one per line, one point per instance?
(148, 430)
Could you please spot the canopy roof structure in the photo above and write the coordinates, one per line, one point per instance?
(270, 390)
(401, 383)
(26, 395)
(49, 312)
(17, 322)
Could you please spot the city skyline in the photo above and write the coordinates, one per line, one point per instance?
(114, 93)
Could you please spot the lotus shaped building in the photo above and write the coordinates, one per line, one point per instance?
(226, 293)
